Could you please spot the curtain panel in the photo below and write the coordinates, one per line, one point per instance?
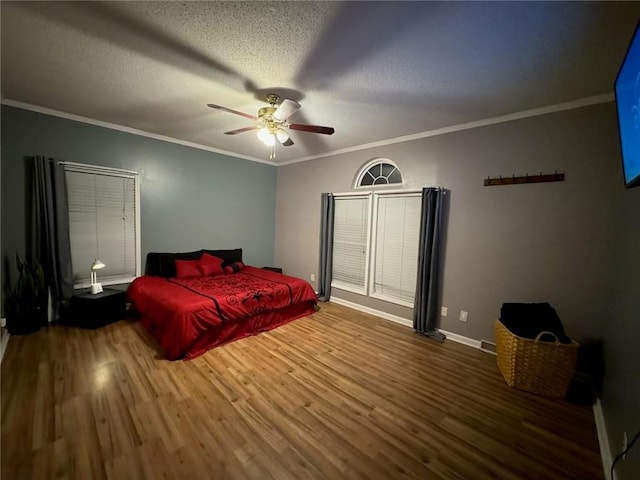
(425, 311)
(327, 204)
(50, 245)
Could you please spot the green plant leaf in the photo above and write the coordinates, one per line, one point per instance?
(30, 290)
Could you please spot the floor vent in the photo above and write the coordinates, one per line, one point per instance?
(487, 346)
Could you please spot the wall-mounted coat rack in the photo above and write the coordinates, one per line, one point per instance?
(513, 180)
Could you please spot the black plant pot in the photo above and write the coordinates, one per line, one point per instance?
(25, 323)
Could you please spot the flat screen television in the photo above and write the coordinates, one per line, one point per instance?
(627, 92)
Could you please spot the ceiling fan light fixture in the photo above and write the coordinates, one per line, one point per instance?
(272, 123)
(282, 135)
(271, 140)
(266, 136)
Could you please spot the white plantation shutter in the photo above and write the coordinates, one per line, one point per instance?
(396, 247)
(350, 242)
(102, 223)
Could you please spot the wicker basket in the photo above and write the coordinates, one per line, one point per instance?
(535, 366)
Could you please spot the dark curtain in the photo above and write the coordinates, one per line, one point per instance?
(50, 242)
(326, 247)
(425, 311)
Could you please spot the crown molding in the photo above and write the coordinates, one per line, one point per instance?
(122, 128)
(558, 107)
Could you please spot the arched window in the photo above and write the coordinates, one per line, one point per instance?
(378, 172)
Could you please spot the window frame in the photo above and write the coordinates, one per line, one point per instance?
(345, 286)
(118, 172)
(368, 290)
(374, 240)
(368, 166)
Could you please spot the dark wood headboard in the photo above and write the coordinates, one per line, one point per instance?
(163, 264)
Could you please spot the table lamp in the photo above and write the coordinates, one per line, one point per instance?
(95, 286)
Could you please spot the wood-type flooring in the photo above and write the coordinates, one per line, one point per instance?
(337, 395)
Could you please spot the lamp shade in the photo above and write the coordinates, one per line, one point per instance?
(96, 287)
(282, 135)
(266, 136)
(97, 265)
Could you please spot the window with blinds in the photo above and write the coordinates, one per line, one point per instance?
(351, 243)
(103, 223)
(396, 236)
(375, 245)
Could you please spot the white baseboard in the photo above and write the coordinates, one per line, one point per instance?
(3, 345)
(378, 313)
(454, 337)
(489, 352)
(603, 439)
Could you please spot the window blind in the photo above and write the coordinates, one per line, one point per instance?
(350, 232)
(396, 247)
(102, 224)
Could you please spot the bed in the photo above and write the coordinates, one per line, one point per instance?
(188, 312)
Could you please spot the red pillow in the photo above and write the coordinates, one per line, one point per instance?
(211, 265)
(188, 268)
(234, 267)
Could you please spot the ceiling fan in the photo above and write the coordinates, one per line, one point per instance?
(272, 122)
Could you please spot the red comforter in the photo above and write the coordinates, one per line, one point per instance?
(188, 316)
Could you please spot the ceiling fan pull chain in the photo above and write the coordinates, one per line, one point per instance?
(272, 155)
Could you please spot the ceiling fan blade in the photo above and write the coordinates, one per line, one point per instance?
(225, 109)
(241, 130)
(288, 143)
(312, 128)
(286, 109)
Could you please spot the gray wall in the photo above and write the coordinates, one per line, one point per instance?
(525, 243)
(621, 393)
(190, 198)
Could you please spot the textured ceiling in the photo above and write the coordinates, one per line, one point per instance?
(373, 71)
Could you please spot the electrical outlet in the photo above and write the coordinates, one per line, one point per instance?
(312, 277)
(463, 316)
(444, 311)
(625, 444)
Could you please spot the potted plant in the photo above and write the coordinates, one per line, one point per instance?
(25, 303)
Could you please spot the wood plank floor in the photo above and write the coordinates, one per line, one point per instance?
(337, 395)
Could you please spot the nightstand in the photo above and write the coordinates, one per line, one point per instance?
(87, 310)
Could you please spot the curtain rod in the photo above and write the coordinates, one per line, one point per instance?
(98, 167)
